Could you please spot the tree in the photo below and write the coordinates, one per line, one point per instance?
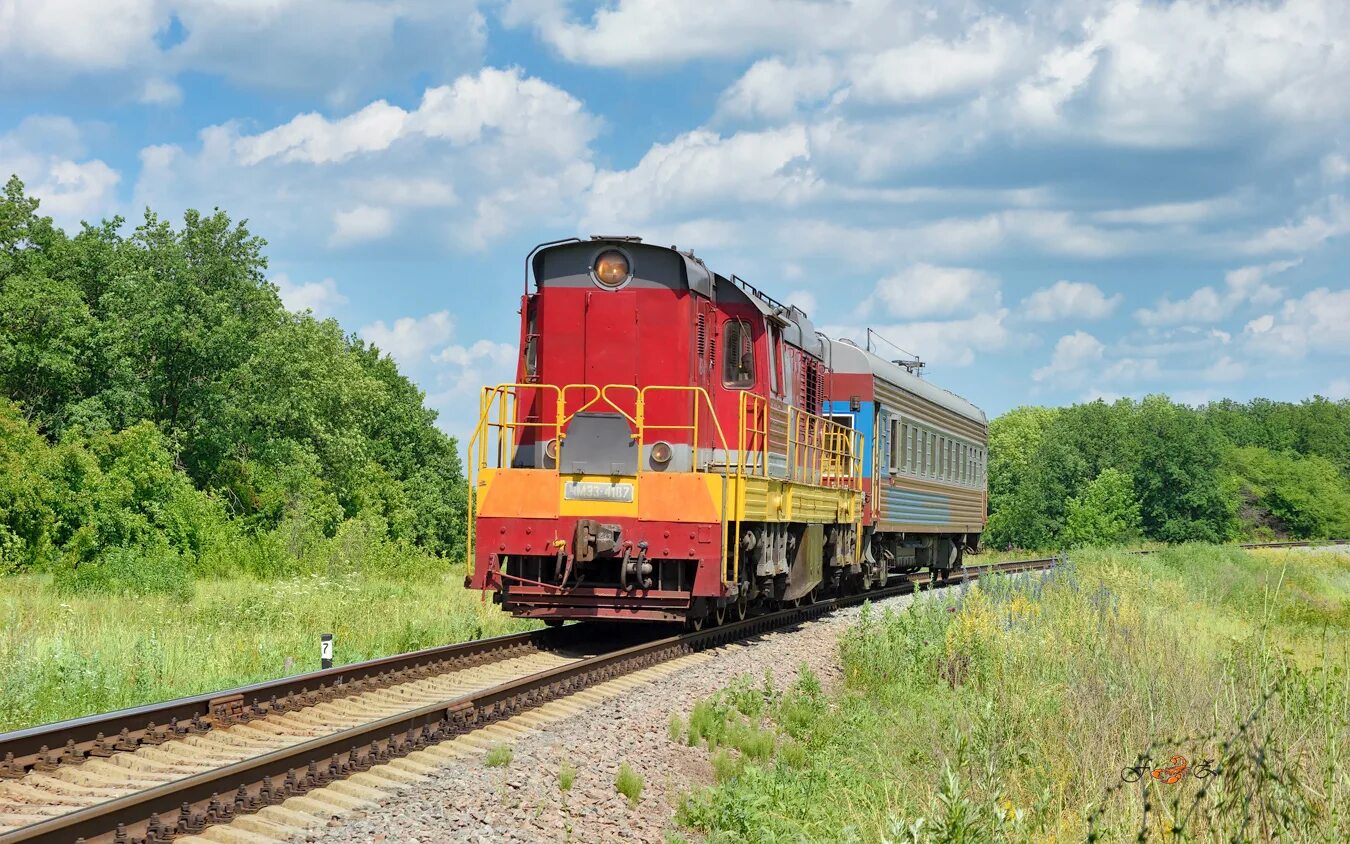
(1106, 513)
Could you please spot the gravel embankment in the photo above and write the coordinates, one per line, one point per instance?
(468, 801)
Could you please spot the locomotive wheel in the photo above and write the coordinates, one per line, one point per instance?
(720, 615)
(553, 622)
(693, 625)
(742, 606)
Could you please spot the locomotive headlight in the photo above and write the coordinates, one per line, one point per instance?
(661, 453)
(611, 268)
(551, 450)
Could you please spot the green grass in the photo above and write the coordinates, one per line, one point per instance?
(499, 756)
(629, 783)
(567, 776)
(1006, 712)
(65, 655)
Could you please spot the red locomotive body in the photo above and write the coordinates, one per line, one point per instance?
(665, 452)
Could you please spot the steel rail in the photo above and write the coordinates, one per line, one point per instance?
(71, 740)
(187, 805)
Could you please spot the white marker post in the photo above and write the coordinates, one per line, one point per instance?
(326, 650)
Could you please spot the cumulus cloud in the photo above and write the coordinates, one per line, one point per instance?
(1074, 356)
(319, 297)
(773, 89)
(1317, 322)
(701, 167)
(1069, 300)
(1338, 389)
(954, 342)
(1313, 229)
(469, 368)
(487, 153)
(49, 155)
(1242, 286)
(633, 33)
(925, 290)
(410, 339)
(339, 48)
(362, 223)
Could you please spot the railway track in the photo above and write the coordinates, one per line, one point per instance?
(293, 752)
(169, 771)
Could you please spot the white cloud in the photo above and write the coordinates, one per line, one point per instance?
(925, 290)
(340, 48)
(773, 89)
(1335, 166)
(941, 342)
(702, 168)
(1169, 213)
(1317, 322)
(1182, 73)
(1242, 286)
(1069, 300)
(633, 33)
(931, 67)
(804, 299)
(471, 367)
(488, 153)
(49, 155)
(1261, 324)
(76, 35)
(1338, 389)
(410, 339)
(1073, 356)
(321, 297)
(359, 224)
(1312, 230)
(161, 92)
(1224, 369)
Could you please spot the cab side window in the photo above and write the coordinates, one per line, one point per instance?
(738, 355)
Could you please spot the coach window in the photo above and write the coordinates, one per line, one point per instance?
(894, 464)
(738, 355)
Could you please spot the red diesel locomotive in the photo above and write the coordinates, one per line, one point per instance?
(679, 446)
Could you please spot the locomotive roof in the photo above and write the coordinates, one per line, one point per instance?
(846, 357)
(796, 327)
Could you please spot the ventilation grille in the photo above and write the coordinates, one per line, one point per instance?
(702, 336)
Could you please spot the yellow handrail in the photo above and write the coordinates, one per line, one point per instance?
(818, 451)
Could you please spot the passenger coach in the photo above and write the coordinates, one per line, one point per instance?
(680, 446)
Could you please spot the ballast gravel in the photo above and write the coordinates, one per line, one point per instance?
(468, 801)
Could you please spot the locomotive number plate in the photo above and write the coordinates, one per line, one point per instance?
(592, 491)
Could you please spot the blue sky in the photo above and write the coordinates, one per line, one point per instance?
(1049, 202)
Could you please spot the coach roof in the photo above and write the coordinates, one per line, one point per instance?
(845, 357)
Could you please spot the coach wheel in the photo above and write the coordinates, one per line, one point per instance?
(719, 615)
(813, 595)
(742, 606)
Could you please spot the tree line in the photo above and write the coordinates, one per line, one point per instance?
(163, 415)
(1103, 473)
(157, 399)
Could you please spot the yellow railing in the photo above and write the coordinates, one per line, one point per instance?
(816, 451)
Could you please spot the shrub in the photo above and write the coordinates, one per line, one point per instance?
(499, 756)
(629, 783)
